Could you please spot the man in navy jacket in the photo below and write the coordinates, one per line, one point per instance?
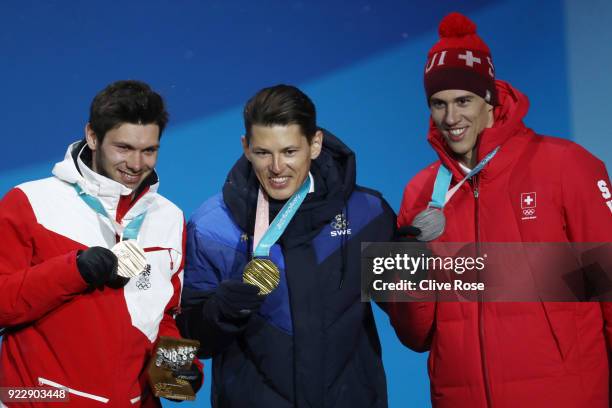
(311, 342)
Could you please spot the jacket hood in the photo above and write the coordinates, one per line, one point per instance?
(334, 173)
(508, 121)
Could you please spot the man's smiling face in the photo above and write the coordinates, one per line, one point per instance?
(461, 116)
(127, 154)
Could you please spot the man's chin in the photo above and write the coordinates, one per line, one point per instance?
(131, 186)
(459, 150)
(279, 197)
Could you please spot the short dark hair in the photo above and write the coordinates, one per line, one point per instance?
(126, 102)
(280, 105)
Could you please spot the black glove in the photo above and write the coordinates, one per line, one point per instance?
(407, 233)
(193, 375)
(236, 299)
(98, 267)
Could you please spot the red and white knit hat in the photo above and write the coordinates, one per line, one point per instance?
(460, 60)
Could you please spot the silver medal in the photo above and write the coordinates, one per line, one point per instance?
(431, 222)
(132, 260)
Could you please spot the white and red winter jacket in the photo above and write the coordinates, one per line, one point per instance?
(97, 343)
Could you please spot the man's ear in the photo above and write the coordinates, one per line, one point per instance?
(491, 114)
(245, 148)
(316, 144)
(90, 137)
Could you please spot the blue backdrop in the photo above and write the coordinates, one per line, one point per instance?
(360, 61)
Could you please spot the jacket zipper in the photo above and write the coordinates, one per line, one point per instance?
(153, 249)
(481, 329)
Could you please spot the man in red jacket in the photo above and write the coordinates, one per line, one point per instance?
(74, 321)
(493, 354)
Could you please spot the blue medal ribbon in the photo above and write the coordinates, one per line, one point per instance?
(444, 176)
(443, 180)
(280, 222)
(128, 232)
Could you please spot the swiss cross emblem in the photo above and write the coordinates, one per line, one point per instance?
(528, 200)
(469, 58)
(528, 206)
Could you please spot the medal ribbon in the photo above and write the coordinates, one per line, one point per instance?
(262, 244)
(130, 231)
(441, 194)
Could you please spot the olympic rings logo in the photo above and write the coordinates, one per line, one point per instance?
(339, 222)
(529, 211)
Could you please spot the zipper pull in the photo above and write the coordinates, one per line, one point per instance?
(171, 260)
(476, 192)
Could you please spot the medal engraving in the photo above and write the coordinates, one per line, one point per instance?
(132, 260)
(170, 355)
(431, 222)
(262, 273)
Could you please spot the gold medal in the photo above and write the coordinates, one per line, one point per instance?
(132, 260)
(262, 273)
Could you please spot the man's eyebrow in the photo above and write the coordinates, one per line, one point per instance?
(123, 144)
(130, 146)
(470, 97)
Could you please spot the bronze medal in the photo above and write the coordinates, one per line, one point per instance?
(169, 356)
(131, 258)
(262, 273)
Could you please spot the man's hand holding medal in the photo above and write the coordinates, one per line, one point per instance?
(113, 267)
(235, 299)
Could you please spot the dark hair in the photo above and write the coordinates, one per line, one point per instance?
(126, 102)
(280, 105)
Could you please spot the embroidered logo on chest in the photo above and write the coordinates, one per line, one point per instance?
(340, 226)
(144, 279)
(528, 206)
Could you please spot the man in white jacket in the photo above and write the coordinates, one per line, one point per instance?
(72, 322)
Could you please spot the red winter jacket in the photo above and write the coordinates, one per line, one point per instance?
(96, 343)
(514, 354)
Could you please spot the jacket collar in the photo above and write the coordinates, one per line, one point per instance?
(74, 170)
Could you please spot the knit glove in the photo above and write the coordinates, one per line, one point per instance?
(235, 300)
(98, 267)
(406, 233)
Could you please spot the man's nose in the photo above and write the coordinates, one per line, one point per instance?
(452, 116)
(277, 164)
(134, 161)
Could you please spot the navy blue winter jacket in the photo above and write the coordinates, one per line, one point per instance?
(313, 343)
